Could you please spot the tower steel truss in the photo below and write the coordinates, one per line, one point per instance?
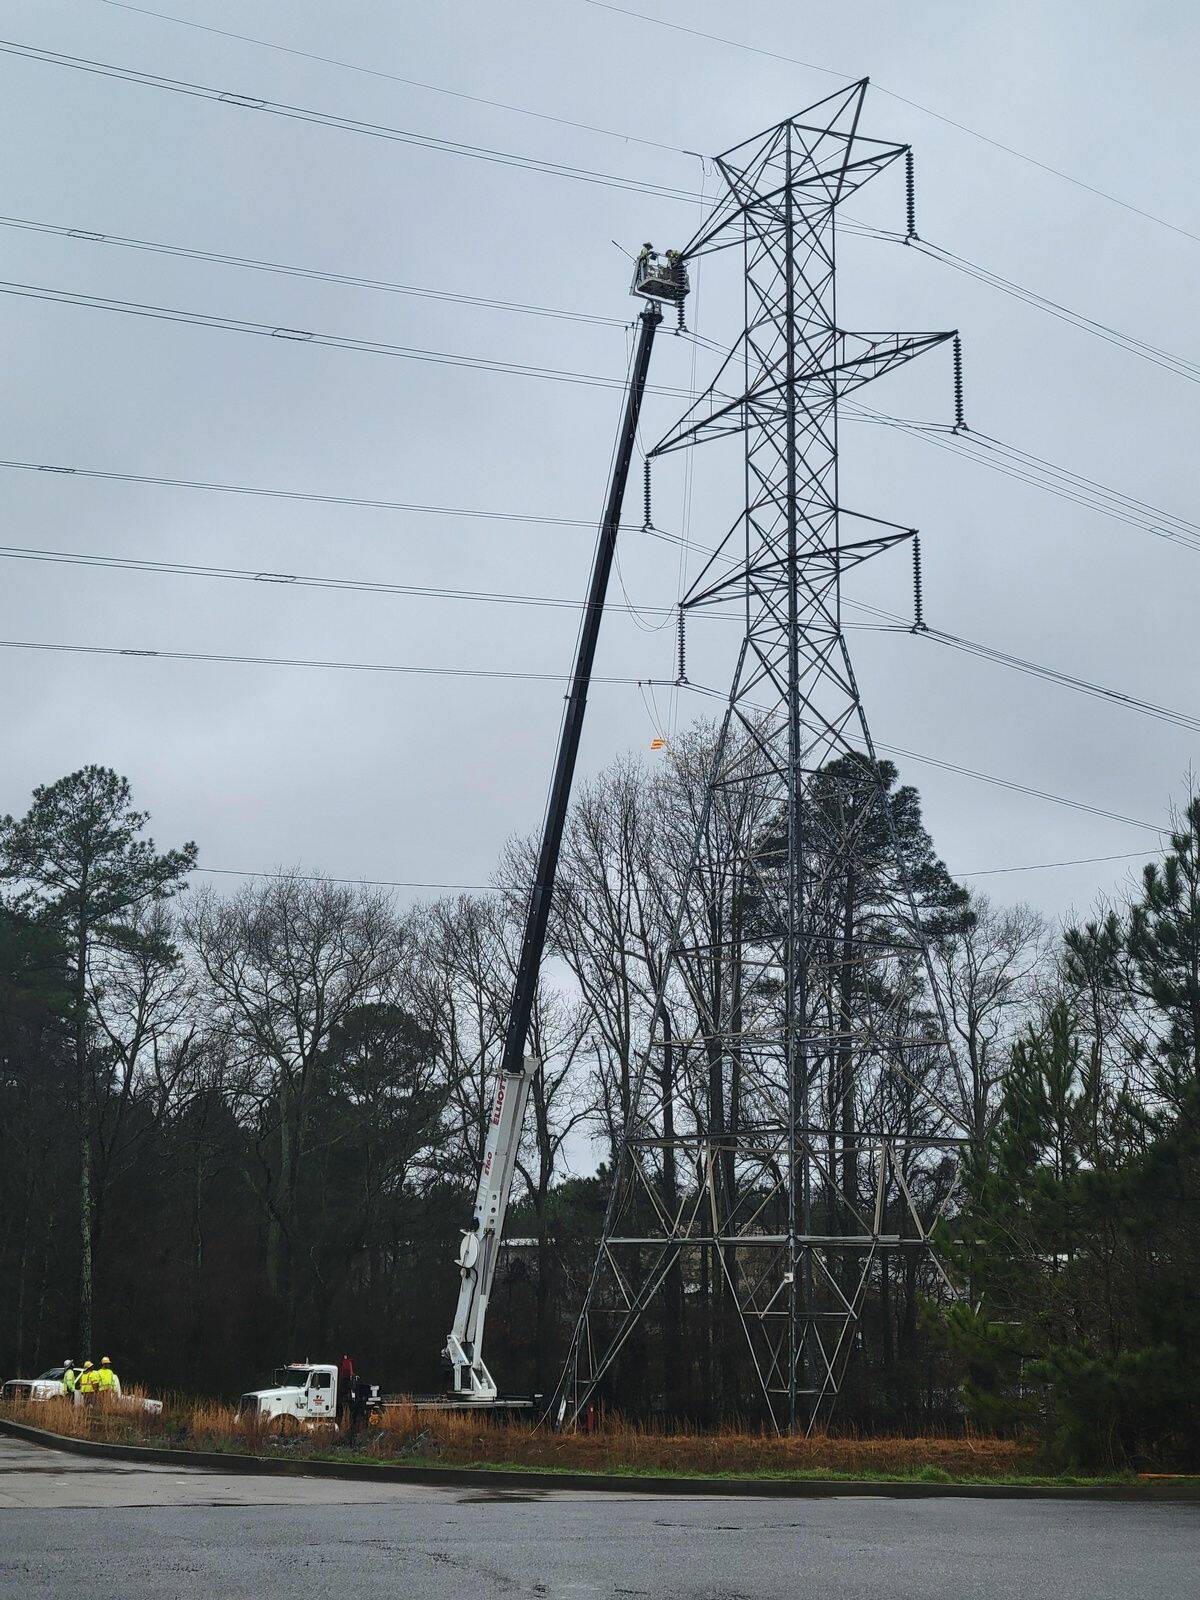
(789, 1181)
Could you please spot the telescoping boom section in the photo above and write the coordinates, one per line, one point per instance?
(481, 1242)
(468, 1380)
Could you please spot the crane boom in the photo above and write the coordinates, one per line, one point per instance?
(656, 278)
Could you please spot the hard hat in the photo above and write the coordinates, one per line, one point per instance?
(86, 1365)
(105, 1362)
(68, 1362)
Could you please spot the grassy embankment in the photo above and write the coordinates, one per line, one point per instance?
(411, 1437)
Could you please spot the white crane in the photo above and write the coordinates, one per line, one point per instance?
(468, 1379)
(656, 278)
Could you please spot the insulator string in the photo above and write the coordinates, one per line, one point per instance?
(918, 590)
(910, 196)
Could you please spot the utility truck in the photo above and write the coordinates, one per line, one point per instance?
(304, 1395)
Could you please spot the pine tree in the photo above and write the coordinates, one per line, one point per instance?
(80, 857)
(1164, 945)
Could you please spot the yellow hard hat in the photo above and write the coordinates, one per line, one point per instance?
(105, 1362)
(86, 1365)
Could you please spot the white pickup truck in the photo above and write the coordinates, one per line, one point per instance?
(49, 1386)
(304, 1395)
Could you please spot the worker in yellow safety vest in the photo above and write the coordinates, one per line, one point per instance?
(69, 1379)
(86, 1382)
(106, 1378)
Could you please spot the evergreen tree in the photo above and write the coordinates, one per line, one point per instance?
(84, 867)
(1084, 1266)
(1164, 946)
(35, 1097)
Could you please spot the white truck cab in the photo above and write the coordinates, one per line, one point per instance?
(304, 1390)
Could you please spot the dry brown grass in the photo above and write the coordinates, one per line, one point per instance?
(413, 1435)
(103, 1418)
(621, 1446)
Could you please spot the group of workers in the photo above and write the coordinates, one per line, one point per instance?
(89, 1380)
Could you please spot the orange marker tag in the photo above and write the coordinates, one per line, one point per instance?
(658, 744)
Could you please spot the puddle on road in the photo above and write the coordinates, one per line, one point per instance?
(495, 1497)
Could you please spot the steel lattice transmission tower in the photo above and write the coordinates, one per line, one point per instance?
(744, 1180)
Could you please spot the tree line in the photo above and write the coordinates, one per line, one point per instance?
(238, 1128)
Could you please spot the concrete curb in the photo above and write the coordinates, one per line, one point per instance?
(482, 1478)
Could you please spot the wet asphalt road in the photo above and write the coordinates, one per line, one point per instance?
(70, 1526)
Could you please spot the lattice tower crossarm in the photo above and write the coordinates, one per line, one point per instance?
(821, 1039)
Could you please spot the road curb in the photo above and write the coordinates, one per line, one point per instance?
(609, 1482)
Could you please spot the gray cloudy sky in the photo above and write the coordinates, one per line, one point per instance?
(410, 777)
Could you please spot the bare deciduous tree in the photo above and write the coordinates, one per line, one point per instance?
(286, 962)
(990, 969)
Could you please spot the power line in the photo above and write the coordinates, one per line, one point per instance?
(1037, 669)
(1062, 480)
(915, 105)
(986, 450)
(632, 138)
(333, 341)
(1025, 467)
(267, 492)
(228, 658)
(966, 772)
(358, 502)
(979, 448)
(974, 647)
(1013, 462)
(416, 670)
(1017, 788)
(360, 883)
(312, 274)
(1046, 866)
(105, 562)
(374, 130)
(308, 581)
(983, 448)
(1180, 719)
(509, 888)
(392, 77)
(1182, 366)
(1166, 359)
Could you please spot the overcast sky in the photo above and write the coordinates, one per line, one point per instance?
(423, 777)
